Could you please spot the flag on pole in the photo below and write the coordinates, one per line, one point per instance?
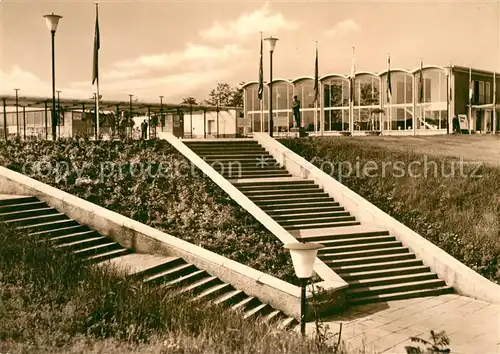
(316, 78)
(353, 74)
(97, 44)
(421, 84)
(389, 87)
(471, 86)
(261, 72)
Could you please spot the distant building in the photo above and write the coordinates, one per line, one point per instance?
(416, 107)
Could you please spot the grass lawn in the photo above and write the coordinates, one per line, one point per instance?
(456, 206)
(51, 302)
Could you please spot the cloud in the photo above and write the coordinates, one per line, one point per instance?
(192, 57)
(343, 27)
(31, 85)
(250, 24)
(191, 71)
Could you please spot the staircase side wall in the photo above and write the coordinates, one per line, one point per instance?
(465, 280)
(144, 239)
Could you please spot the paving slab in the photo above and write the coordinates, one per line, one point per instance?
(473, 326)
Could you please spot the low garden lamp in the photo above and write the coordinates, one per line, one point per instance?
(303, 257)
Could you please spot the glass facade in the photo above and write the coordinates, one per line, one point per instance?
(415, 103)
(335, 103)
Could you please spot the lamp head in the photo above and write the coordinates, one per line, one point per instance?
(303, 257)
(271, 43)
(52, 21)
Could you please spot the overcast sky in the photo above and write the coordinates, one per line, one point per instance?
(178, 49)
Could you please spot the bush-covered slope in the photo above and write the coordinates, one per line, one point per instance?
(453, 205)
(149, 181)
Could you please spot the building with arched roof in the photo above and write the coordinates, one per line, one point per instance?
(428, 100)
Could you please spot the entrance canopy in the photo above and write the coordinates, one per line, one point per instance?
(34, 102)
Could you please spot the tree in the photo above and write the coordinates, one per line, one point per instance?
(225, 95)
(189, 100)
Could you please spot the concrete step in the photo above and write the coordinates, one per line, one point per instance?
(189, 278)
(234, 161)
(23, 214)
(69, 238)
(214, 291)
(201, 285)
(259, 171)
(166, 264)
(265, 192)
(372, 274)
(61, 231)
(400, 296)
(273, 184)
(246, 303)
(97, 249)
(177, 269)
(352, 269)
(36, 220)
(363, 283)
(340, 241)
(18, 200)
(246, 169)
(362, 247)
(237, 155)
(334, 263)
(320, 225)
(288, 323)
(274, 316)
(287, 197)
(317, 220)
(298, 211)
(114, 253)
(348, 232)
(365, 253)
(263, 175)
(284, 187)
(22, 206)
(50, 225)
(228, 151)
(86, 242)
(295, 201)
(297, 216)
(259, 310)
(230, 298)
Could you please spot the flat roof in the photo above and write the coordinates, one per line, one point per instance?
(77, 104)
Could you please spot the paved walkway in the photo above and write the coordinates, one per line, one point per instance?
(472, 326)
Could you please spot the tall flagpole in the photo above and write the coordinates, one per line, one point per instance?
(493, 130)
(97, 77)
(316, 93)
(353, 93)
(471, 90)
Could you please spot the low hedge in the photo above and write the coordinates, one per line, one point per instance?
(459, 210)
(173, 196)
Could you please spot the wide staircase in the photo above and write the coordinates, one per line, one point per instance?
(373, 262)
(48, 225)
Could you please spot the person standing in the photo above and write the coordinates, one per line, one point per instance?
(296, 111)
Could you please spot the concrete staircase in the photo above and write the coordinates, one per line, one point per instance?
(374, 263)
(39, 219)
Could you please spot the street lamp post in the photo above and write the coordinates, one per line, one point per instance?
(161, 112)
(58, 113)
(130, 114)
(303, 257)
(271, 43)
(17, 113)
(52, 21)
